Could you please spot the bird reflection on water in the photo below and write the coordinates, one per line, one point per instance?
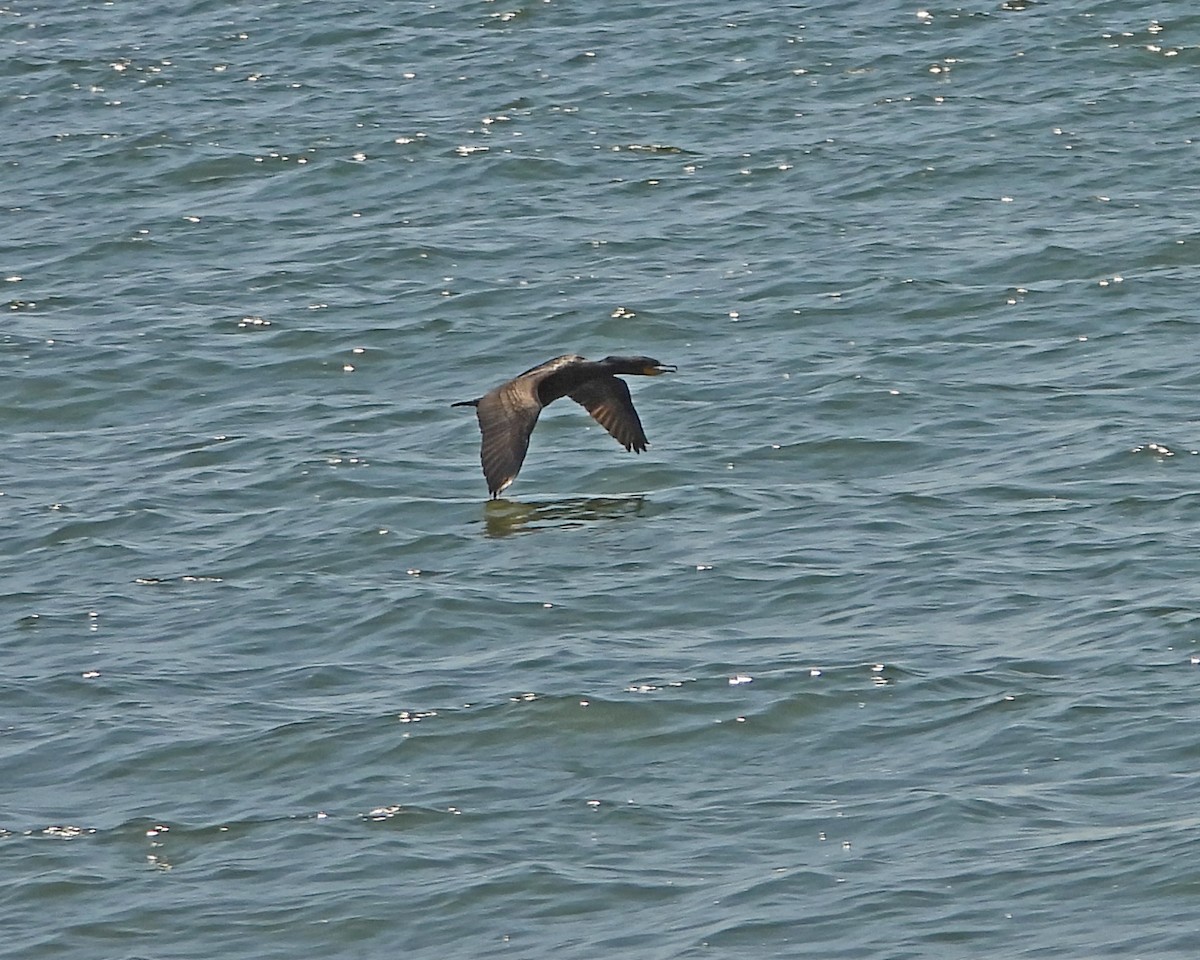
(506, 517)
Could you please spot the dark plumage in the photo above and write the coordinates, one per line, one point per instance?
(508, 413)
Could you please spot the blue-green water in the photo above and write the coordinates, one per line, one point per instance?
(886, 649)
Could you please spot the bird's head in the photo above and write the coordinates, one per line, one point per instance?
(639, 366)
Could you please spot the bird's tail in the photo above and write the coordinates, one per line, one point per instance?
(466, 403)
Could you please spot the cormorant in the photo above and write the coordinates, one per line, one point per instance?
(508, 413)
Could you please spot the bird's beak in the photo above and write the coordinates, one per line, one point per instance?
(660, 369)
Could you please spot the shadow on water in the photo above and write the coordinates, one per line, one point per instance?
(506, 517)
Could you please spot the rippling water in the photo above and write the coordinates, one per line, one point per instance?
(886, 648)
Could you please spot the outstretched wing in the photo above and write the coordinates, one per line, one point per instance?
(607, 400)
(507, 416)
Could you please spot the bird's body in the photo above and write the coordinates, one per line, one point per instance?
(508, 414)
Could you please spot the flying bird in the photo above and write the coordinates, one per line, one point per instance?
(508, 413)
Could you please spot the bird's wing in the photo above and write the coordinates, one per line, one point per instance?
(553, 365)
(507, 416)
(607, 400)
